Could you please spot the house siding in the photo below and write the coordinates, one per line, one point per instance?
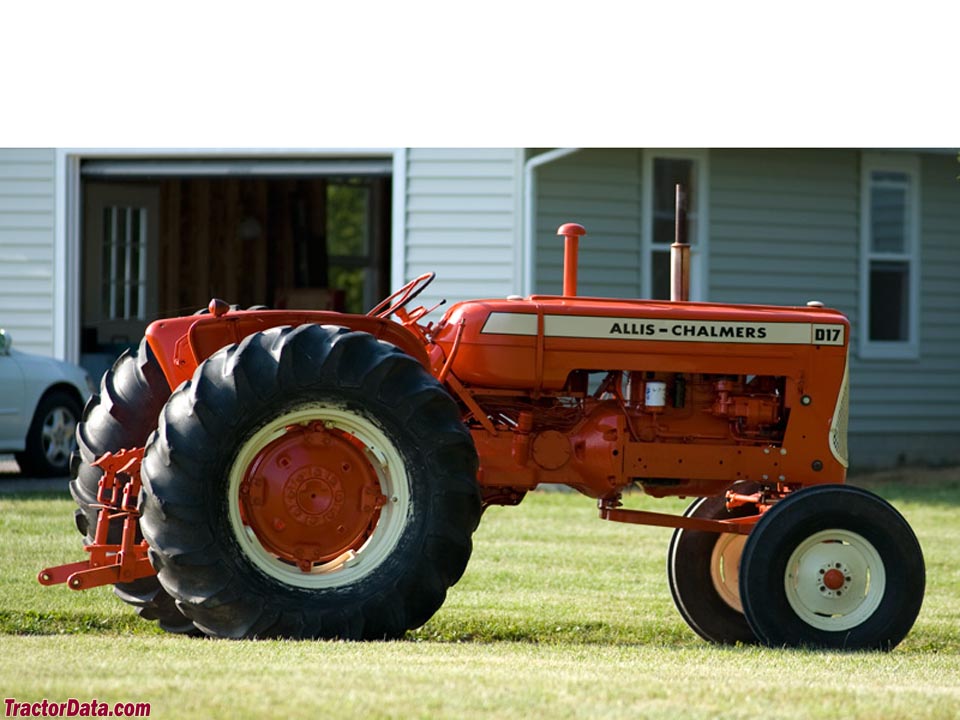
(461, 221)
(600, 189)
(908, 410)
(784, 227)
(27, 250)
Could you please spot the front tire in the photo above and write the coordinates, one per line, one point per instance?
(832, 566)
(703, 572)
(310, 482)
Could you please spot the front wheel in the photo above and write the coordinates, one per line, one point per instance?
(703, 572)
(832, 566)
(310, 482)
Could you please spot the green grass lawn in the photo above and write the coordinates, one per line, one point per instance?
(558, 615)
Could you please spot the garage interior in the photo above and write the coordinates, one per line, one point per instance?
(161, 238)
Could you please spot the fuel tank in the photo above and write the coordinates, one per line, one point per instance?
(534, 343)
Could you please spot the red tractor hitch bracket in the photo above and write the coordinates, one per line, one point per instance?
(610, 510)
(110, 563)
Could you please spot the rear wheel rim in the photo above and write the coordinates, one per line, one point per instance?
(331, 502)
(835, 580)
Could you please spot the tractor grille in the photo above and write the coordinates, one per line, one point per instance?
(841, 416)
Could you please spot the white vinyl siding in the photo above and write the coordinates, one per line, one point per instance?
(784, 227)
(599, 189)
(609, 192)
(912, 405)
(461, 221)
(27, 205)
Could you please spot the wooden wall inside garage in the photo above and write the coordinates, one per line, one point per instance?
(239, 240)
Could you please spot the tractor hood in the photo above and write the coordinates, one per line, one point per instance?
(537, 341)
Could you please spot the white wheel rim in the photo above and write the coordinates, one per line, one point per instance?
(391, 473)
(725, 568)
(851, 560)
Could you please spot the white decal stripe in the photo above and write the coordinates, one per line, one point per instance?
(619, 328)
(500, 323)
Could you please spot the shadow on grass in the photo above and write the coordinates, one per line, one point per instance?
(477, 631)
(550, 633)
(30, 622)
(36, 495)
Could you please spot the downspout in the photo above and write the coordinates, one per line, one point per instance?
(530, 210)
(398, 221)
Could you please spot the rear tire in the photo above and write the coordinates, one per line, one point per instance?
(703, 568)
(263, 482)
(832, 566)
(122, 416)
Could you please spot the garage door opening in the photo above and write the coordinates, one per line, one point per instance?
(157, 245)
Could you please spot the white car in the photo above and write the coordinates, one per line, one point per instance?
(41, 400)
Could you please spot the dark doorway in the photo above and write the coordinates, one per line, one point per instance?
(163, 246)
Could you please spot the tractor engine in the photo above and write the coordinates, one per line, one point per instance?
(579, 437)
(681, 398)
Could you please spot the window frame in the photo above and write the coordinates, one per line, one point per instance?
(908, 349)
(699, 247)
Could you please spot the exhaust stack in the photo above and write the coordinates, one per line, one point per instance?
(680, 252)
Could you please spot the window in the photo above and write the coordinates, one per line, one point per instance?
(356, 241)
(662, 170)
(889, 270)
(124, 268)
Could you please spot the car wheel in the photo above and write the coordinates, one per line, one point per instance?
(51, 437)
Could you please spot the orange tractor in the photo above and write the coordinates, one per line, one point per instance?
(313, 474)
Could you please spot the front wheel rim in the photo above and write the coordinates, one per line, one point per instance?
(835, 580)
(317, 497)
(725, 568)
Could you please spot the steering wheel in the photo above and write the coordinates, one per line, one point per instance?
(390, 304)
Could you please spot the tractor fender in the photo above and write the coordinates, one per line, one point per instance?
(181, 344)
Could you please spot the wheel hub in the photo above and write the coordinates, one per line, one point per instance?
(57, 435)
(835, 580)
(311, 495)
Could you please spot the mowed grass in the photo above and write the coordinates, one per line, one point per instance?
(559, 615)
